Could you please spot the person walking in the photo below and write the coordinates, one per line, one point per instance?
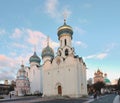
(10, 95)
(95, 95)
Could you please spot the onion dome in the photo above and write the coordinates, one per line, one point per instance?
(106, 80)
(65, 29)
(47, 51)
(21, 73)
(34, 58)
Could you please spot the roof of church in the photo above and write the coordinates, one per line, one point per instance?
(22, 72)
(47, 51)
(106, 80)
(34, 58)
(22, 69)
(65, 29)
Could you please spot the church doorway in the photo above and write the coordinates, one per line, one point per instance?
(59, 90)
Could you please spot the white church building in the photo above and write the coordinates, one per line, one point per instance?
(63, 74)
(22, 82)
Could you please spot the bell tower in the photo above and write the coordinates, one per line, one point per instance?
(65, 33)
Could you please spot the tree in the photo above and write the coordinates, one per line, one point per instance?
(98, 85)
(118, 84)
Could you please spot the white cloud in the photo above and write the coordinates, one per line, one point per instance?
(17, 33)
(10, 66)
(97, 56)
(39, 39)
(35, 37)
(51, 7)
(53, 10)
(7, 67)
(101, 56)
(90, 56)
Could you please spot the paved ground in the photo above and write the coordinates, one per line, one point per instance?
(105, 99)
(37, 99)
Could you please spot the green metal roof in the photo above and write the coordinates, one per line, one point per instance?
(47, 51)
(107, 80)
(34, 58)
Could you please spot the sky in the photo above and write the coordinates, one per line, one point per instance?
(25, 24)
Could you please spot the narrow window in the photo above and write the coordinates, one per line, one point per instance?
(65, 42)
(66, 52)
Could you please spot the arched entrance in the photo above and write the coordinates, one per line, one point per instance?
(59, 90)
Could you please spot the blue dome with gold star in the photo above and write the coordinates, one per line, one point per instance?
(34, 58)
(65, 30)
(47, 51)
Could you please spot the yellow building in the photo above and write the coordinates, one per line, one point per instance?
(99, 77)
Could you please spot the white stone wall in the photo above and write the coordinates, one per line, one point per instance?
(70, 74)
(62, 40)
(35, 77)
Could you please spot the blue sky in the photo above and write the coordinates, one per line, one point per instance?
(26, 23)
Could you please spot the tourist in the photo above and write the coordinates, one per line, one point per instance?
(10, 95)
(95, 95)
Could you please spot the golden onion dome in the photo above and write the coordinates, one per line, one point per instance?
(65, 29)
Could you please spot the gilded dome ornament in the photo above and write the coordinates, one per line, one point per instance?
(65, 30)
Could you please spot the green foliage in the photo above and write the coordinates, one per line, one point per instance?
(118, 84)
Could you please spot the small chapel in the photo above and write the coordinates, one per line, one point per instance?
(63, 74)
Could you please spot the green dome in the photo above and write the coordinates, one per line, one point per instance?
(106, 80)
(65, 29)
(47, 51)
(34, 58)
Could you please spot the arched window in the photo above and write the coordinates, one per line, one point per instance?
(66, 52)
(65, 42)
